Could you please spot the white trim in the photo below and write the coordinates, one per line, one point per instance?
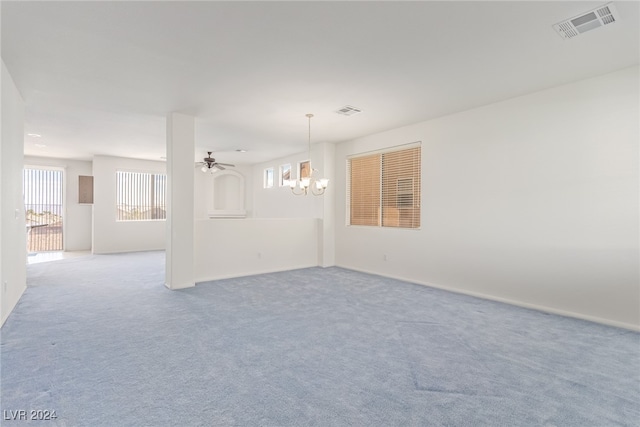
(200, 280)
(536, 307)
(221, 213)
(281, 181)
(141, 170)
(13, 305)
(265, 178)
(400, 147)
(45, 167)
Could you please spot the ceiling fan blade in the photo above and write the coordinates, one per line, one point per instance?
(219, 167)
(226, 164)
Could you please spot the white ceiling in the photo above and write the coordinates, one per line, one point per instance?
(100, 77)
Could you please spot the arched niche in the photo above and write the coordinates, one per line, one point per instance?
(226, 195)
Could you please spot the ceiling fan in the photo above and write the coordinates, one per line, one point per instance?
(209, 164)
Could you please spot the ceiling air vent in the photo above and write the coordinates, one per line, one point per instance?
(348, 110)
(598, 17)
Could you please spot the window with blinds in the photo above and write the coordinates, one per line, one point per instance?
(384, 188)
(43, 193)
(140, 196)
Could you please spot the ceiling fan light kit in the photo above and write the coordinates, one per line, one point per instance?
(310, 184)
(210, 165)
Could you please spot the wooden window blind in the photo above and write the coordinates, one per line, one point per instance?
(140, 196)
(364, 200)
(384, 189)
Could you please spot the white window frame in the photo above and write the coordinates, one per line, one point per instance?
(417, 144)
(268, 178)
(282, 181)
(151, 191)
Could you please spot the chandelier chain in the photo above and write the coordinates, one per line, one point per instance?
(309, 184)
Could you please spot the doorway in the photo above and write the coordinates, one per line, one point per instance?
(43, 203)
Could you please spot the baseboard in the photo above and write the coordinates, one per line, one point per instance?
(252, 273)
(180, 286)
(10, 310)
(128, 251)
(523, 304)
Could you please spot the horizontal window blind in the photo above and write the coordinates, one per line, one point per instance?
(384, 188)
(364, 191)
(401, 188)
(140, 196)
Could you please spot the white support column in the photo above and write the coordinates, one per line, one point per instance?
(180, 201)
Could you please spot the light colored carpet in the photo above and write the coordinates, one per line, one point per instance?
(101, 341)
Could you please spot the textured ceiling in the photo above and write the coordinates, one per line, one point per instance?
(100, 77)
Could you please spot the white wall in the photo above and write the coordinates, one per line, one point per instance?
(533, 200)
(13, 249)
(326, 241)
(203, 184)
(77, 217)
(279, 202)
(110, 236)
(241, 247)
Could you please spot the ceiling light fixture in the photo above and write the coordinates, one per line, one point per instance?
(34, 135)
(301, 186)
(210, 165)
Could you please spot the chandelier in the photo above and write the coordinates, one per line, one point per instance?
(309, 184)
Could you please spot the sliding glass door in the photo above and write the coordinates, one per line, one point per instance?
(43, 202)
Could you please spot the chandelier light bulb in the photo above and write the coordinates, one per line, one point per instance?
(317, 186)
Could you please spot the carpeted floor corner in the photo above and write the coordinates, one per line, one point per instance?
(101, 341)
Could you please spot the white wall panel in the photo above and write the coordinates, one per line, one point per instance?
(241, 247)
(13, 248)
(77, 216)
(533, 200)
(109, 235)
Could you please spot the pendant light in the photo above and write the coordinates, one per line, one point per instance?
(309, 184)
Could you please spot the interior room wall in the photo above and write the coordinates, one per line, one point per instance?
(533, 201)
(13, 238)
(203, 185)
(281, 231)
(278, 201)
(77, 216)
(240, 247)
(326, 239)
(109, 235)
